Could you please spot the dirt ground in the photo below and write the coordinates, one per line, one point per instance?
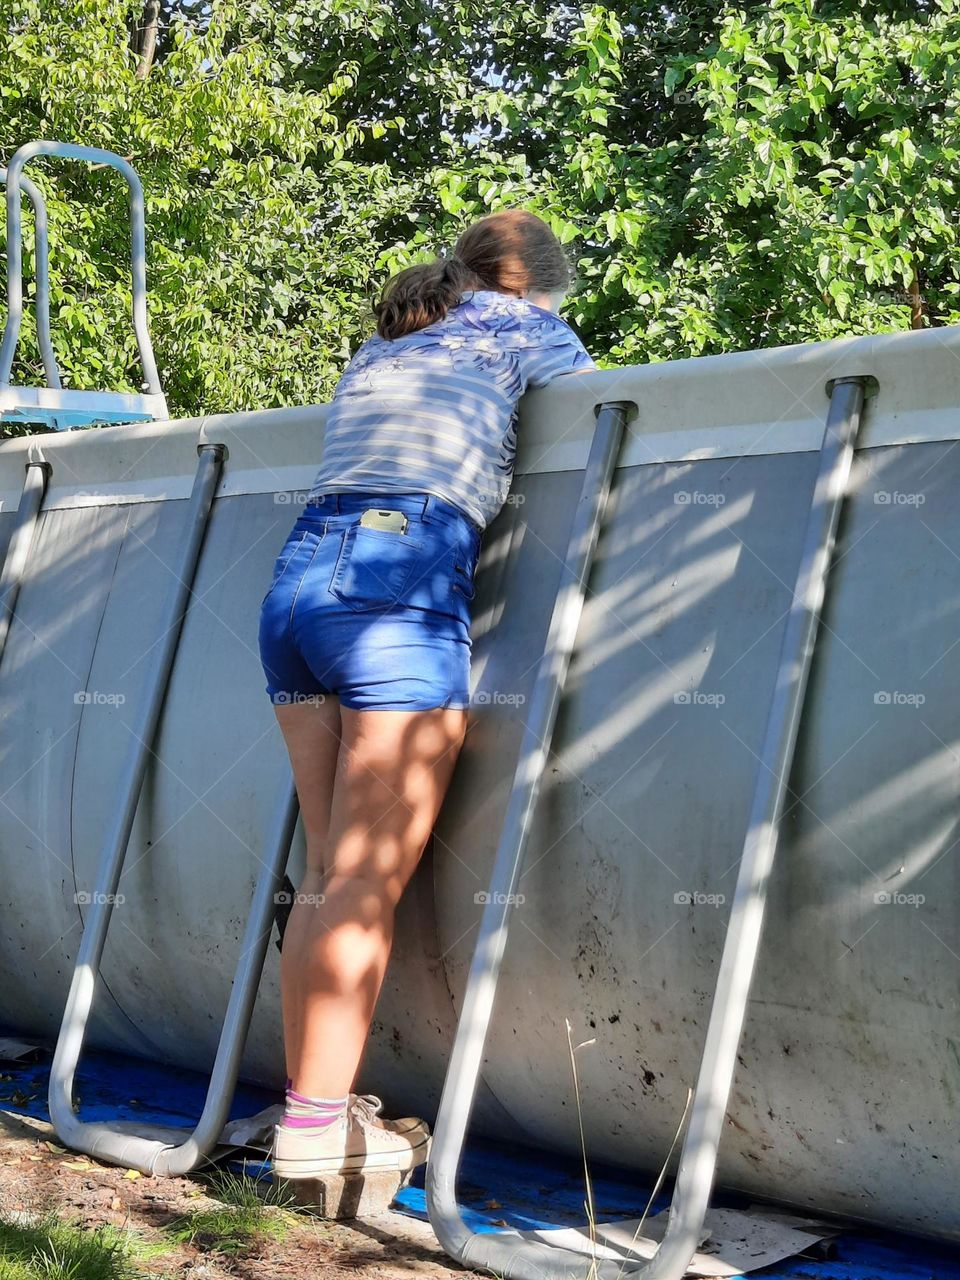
(37, 1175)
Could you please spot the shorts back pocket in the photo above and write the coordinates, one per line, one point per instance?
(373, 567)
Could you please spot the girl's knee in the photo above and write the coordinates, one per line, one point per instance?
(367, 895)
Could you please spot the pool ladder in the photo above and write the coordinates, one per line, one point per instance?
(53, 405)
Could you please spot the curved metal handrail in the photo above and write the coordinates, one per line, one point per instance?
(138, 253)
(42, 272)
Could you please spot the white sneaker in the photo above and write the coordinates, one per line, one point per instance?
(358, 1142)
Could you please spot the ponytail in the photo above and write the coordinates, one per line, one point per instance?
(422, 295)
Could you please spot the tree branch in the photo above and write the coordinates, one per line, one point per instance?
(147, 38)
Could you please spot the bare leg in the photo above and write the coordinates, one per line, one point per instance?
(392, 772)
(312, 734)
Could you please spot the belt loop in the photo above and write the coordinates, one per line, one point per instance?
(429, 506)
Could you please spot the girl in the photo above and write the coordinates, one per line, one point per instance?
(365, 641)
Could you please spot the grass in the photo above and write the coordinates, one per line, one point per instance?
(589, 1205)
(246, 1215)
(49, 1249)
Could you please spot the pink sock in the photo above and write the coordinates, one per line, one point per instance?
(302, 1112)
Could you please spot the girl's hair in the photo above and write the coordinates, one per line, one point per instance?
(508, 251)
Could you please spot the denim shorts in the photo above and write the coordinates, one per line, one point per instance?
(379, 618)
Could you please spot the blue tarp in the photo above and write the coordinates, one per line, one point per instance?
(498, 1185)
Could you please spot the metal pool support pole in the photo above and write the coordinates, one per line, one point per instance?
(463, 1072)
(21, 540)
(181, 1154)
(507, 1253)
(103, 1140)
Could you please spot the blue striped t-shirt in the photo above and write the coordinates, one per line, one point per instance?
(436, 410)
